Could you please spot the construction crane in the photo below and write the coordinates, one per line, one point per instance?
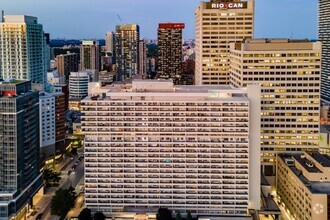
(119, 18)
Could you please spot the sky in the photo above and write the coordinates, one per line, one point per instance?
(91, 19)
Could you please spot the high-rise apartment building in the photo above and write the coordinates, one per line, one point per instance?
(289, 73)
(324, 37)
(188, 148)
(170, 51)
(67, 63)
(90, 56)
(23, 49)
(142, 58)
(110, 42)
(219, 23)
(127, 51)
(60, 108)
(20, 178)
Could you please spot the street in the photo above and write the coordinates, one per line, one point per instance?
(76, 177)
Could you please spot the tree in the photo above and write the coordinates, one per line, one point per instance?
(62, 202)
(51, 177)
(189, 216)
(85, 214)
(99, 216)
(178, 216)
(164, 214)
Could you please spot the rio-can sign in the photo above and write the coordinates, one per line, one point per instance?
(226, 5)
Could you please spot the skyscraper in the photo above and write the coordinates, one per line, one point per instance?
(142, 58)
(219, 23)
(170, 51)
(23, 48)
(289, 73)
(324, 37)
(127, 51)
(189, 148)
(20, 178)
(110, 42)
(90, 56)
(67, 63)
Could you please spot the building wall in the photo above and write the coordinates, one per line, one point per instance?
(290, 80)
(215, 30)
(67, 63)
(185, 151)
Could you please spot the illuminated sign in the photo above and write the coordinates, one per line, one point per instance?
(88, 42)
(226, 5)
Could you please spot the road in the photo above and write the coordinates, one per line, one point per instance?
(43, 206)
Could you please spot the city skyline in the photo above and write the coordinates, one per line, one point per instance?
(298, 18)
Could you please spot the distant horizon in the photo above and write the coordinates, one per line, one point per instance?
(294, 19)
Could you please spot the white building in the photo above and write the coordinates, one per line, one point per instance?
(218, 25)
(289, 72)
(24, 53)
(188, 148)
(47, 123)
(109, 42)
(54, 78)
(78, 84)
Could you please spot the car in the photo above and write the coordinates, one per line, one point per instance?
(76, 163)
(69, 172)
(39, 217)
(73, 167)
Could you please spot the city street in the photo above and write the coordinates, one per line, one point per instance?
(74, 179)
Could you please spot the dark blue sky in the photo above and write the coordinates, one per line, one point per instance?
(92, 18)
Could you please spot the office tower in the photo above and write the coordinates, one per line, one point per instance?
(143, 58)
(324, 37)
(20, 178)
(78, 84)
(170, 51)
(110, 43)
(127, 51)
(188, 148)
(289, 72)
(90, 56)
(23, 49)
(218, 24)
(67, 63)
(47, 124)
(303, 185)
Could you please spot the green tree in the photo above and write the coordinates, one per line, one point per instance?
(85, 214)
(51, 177)
(189, 216)
(99, 216)
(164, 214)
(62, 202)
(178, 216)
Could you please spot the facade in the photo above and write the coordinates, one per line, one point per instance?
(24, 52)
(47, 124)
(67, 63)
(60, 108)
(20, 178)
(303, 185)
(143, 58)
(90, 56)
(78, 84)
(324, 37)
(289, 72)
(218, 24)
(188, 148)
(110, 42)
(127, 51)
(170, 51)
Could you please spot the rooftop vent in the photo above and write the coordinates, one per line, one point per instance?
(309, 164)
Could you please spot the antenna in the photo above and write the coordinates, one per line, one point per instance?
(119, 18)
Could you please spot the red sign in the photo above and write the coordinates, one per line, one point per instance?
(171, 25)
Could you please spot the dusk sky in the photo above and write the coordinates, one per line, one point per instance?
(92, 18)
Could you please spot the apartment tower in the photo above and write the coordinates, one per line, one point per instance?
(90, 56)
(24, 52)
(170, 51)
(188, 148)
(324, 37)
(143, 58)
(20, 178)
(127, 51)
(289, 72)
(67, 63)
(219, 23)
